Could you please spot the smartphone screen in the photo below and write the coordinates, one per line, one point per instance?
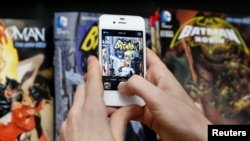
(122, 56)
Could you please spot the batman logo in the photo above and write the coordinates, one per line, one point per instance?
(211, 33)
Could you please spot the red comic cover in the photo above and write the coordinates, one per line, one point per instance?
(208, 52)
(26, 80)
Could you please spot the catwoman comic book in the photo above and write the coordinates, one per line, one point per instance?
(26, 80)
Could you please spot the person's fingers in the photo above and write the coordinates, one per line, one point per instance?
(63, 130)
(94, 87)
(111, 110)
(79, 98)
(85, 77)
(157, 72)
(136, 85)
(121, 117)
(61, 136)
(153, 59)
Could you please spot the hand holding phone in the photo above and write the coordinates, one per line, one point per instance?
(122, 53)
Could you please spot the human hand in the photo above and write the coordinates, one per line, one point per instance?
(169, 111)
(88, 117)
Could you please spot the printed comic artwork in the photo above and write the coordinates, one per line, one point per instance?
(88, 46)
(70, 57)
(215, 59)
(26, 105)
(90, 42)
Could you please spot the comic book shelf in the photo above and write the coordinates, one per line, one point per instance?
(228, 106)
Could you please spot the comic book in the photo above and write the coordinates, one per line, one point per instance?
(154, 25)
(26, 80)
(148, 32)
(75, 38)
(208, 52)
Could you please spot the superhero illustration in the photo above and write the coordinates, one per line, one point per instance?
(3, 40)
(121, 58)
(25, 115)
(209, 55)
(26, 64)
(7, 92)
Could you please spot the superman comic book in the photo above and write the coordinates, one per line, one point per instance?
(208, 52)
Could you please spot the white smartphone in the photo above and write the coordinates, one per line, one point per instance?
(122, 53)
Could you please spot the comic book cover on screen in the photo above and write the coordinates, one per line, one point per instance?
(75, 38)
(26, 80)
(209, 54)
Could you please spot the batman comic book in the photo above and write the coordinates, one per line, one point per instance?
(75, 38)
(26, 80)
(209, 54)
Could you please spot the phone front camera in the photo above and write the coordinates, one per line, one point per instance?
(113, 22)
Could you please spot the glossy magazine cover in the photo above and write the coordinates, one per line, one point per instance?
(209, 54)
(26, 81)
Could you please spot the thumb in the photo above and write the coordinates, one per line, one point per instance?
(121, 117)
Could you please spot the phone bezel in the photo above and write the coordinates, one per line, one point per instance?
(122, 22)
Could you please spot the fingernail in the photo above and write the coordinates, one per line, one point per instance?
(90, 57)
(121, 84)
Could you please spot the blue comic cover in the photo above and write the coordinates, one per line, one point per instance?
(75, 38)
(26, 80)
(208, 52)
(87, 39)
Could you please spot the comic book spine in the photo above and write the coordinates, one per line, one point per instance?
(65, 24)
(75, 39)
(64, 92)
